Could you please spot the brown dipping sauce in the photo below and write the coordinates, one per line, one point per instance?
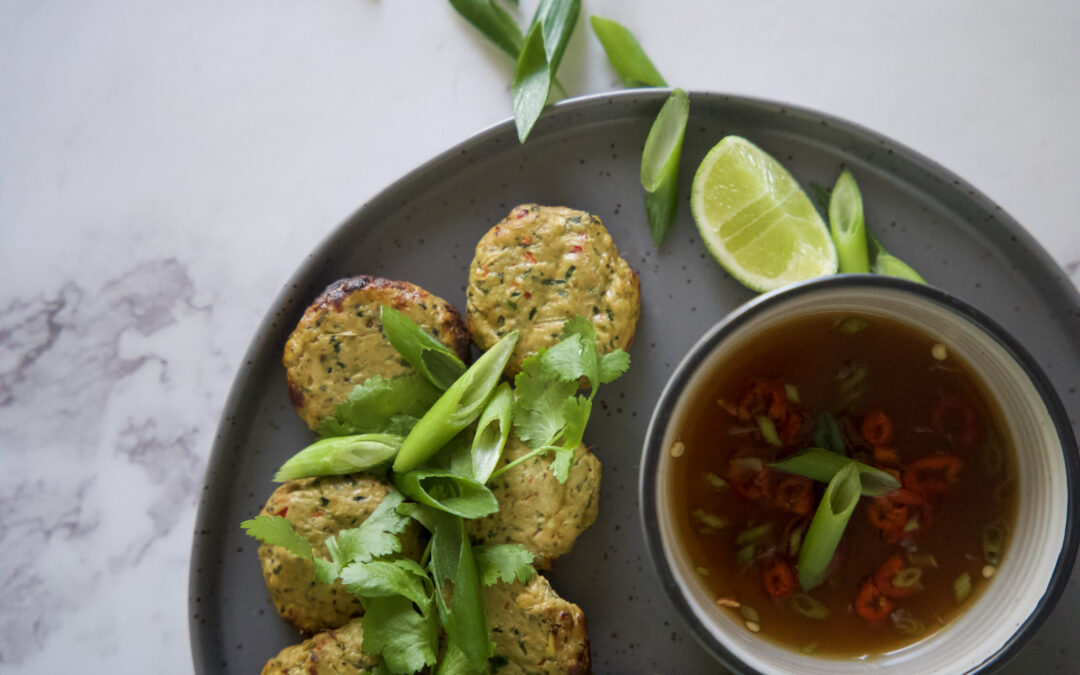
(740, 522)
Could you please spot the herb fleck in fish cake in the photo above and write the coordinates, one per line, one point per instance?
(535, 631)
(535, 509)
(542, 265)
(340, 342)
(335, 652)
(318, 508)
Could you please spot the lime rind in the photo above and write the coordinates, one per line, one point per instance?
(756, 220)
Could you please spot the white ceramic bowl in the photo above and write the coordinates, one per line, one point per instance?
(1043, 546)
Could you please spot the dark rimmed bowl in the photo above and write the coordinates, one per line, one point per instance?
(1041, 554)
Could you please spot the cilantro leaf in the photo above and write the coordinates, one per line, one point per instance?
(563, 462)
(277, 531)
(381, 405)
(406, 639)
(388, 577)
(503, 562)
(541, 399)
(613, 365)
(375, 537)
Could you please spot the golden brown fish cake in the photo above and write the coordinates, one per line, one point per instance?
(542, 265)
(535, 509)
(535, 630)
(339, 342)
(318, 508)
(335, 652)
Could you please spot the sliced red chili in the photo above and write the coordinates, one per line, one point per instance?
(886, 455)
(933, 475)
(766, 397)
(883, 579)
(954, 418)
(779, 579)
(877, 428)
(871, 604)
(899, 513)
(751, 478)
(794, 494)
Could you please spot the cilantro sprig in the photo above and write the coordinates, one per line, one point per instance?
(549, 414)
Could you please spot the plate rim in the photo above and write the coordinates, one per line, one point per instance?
(201, 556)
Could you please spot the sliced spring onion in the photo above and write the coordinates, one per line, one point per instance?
(660, 163)
(753, 535)
(888, 265)
(848, 226)
(907, 577)
(852, 325)
(749, 613)
(809, 648)
(906, 623)
(716, 482)
(709, 520)
(425, 354)
(823, 466)
(828, 525)
(922, 559)
(962, 587)
(993, 543)
(795, 540)
(340, 455)
(745, 556)
(792, 393)
(492, 431)
(625, 53)
(992, 458)
(457, 408)
(494, 22)
(827, 434)
(447, 491)
(541, 53)
(808, 607)
(911, 525)
(768, 430)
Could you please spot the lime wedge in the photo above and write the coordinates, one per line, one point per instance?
(756, 220)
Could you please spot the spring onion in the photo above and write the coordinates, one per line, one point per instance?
(827, 434)
(823, 466)
(340, 455)
(625, 53)
(447, 491)
(808, 607)
(886, 264)
(792, 393)
(660, 163)
(716, 482)
(768, 430)
(709, 522)
(494, 22)
(457, 408)
(425, 354)
(993, 543)
(539, 59)
(907, 577)
(753, 535)
(962, 587)
(828, 525)
(492, 431)
(848, 226)
(906, 623)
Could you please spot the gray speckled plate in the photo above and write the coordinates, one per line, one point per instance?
(585, 153)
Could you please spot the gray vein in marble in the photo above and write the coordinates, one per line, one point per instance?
(66, 380)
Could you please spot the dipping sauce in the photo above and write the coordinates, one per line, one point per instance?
(883, 394)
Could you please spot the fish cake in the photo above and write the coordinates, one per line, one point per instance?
(542, 265)
(535, 630)
(319, 508)
(339, 342)
(535, 509)
(334, 652)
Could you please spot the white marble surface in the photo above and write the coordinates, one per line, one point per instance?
(165, 165)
